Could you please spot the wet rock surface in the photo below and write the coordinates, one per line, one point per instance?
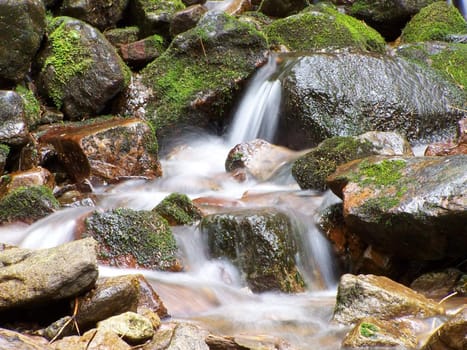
(178, 209)
(13, 126)
(451, 335)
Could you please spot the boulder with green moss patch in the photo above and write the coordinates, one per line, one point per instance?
(178, 209)
(131, 238)
(80, 71)
(410, 207)
(195, 79)
(323, 27)
(27, 204)
(434, 22)
(260, 243)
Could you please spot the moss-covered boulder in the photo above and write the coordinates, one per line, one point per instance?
(27, 204)
(282, 8)
(387, 16)
(22, 26)
(80, 71)
(195, 79)
(260, 243)
(178, 209)
(434, 22)
(410, 207)
(130, 238)
(323, 27)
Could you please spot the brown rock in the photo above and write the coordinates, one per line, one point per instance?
(33, 177)
(186, 19)
(10, 340)
(92, 340)
(458, 146)
(451, 336)
(141, 52)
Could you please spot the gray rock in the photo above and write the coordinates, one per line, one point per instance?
(134, 328)
(13, 127)
(21, 32)
(188, 336)
(40, 277)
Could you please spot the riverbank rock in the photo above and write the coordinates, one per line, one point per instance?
(434, 22)
(11, 340)
(260, 243)
(27, 204)
(80, 71)
(139, 53)
(438, 284)
(13, 126)
(92, 339)
(451, 335)
(323, 27)
(282, 8)
(194, 80)
(131, 238)
(411, 207)
(376, 296)
(33, 177)
(312, 111)
(178, 209)
(105, 150)
(21, 34)
(44, 276)
(133, 328)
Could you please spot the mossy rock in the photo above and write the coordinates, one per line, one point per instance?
(32, 107)
(131, 238)
(27, 204)
(178, 209)
(434, 22)
(311, 170)
(194, 80)
(323, 27)
(260, 243)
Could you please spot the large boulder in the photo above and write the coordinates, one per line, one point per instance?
(13, 126)
(376, 296)
(194, 80)
(434, 22)
(21, 32)
(44, 276)
(80, 71)
(260, 243)
(412, 207)
(392, 95)
(323, 27)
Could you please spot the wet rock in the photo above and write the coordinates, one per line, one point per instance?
(27, 204)
(312, 111)
(323, 27)
(373, 333)
(33, 177)
(32, 107)
(106, 150)
(195, 79)
(434, 22)
(139, 53)
(282, 8)
(178, 209)
(153, 17)
(21, 33)
(259, 158)
(130, 238)
(99, 14)
(148, 299)
(437, 284)
(188, 336)
(41, 277)
(260, 243)
(92, 340)
(388, 143)
(376, 296)
(13, 127)
(80, 71)
(11, 340)
(453, 147)
(119, 36)
(410, 207)
(186, 19)
(452, 335)
(133, 328)
(246, 342)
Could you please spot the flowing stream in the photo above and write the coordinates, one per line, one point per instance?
(210, 292)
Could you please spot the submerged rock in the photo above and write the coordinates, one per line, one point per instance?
(364, 296)
(413, 207)
(178, 209)
(261, 243)
(392, 95)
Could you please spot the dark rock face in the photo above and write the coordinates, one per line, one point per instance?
(21, 33)
(13, 127)
(282, 8)
(345, 94)
(260, 243)
(80, 70)
(413, 208)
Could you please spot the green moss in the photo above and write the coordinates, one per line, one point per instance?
(67, 59)
(178, 209)
(162, 6)
(32, 107)
(311, 170)
(368, 330)
(385, 173)
(27, 204)
(434, 22)
(4, 149)
(321, 27)
(142, 234)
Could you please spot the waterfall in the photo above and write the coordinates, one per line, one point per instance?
(461, 6)
(257, 114)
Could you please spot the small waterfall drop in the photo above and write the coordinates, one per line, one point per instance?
(257, 114)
